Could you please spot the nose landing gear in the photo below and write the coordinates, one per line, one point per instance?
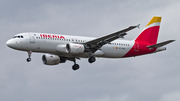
(29, 56)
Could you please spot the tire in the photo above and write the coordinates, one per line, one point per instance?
(28, 59)
(92, 59)
(75, 67)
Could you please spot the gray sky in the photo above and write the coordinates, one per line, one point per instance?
(153, 77)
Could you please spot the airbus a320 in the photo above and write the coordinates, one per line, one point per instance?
(60, 48)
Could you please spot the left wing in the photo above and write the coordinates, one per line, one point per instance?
(96, 44)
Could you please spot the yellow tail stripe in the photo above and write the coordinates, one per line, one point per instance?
(154, 20)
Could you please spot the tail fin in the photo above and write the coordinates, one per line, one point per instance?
(150, 32)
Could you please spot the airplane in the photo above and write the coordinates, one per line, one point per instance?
(60, 48)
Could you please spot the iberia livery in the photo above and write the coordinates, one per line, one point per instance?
(60, 48)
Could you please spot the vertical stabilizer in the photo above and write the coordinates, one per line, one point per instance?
(150, 32)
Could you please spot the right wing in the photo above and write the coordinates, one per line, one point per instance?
(96, 44)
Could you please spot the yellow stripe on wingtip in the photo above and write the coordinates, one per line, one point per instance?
(154, 20)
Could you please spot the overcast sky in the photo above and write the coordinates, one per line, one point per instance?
(153, 77)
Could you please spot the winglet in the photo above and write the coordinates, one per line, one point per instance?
(138, 26)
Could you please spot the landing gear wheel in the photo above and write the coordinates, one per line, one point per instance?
(29, 56)
(92, 59)
(28, 59)
(75, 67)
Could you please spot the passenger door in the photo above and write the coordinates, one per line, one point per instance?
(32, 37)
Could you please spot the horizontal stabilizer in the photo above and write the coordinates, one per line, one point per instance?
(160, 44)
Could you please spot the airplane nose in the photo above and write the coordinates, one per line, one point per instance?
(9, 43)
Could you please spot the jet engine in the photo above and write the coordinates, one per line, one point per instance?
(75, 48)
(52, 59)
(61, 48)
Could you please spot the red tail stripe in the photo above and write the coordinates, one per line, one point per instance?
(149, 35)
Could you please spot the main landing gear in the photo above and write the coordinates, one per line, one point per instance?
(29, 56)
(75, 66)
(92, 59)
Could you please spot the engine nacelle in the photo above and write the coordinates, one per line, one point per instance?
(75, 48)
(52, 59)
(61, 48)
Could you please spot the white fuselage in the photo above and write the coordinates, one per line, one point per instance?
(47, 43)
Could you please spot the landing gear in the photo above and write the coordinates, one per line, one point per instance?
(29, 56)
(75, 66)
(28, 59)
(92, 59)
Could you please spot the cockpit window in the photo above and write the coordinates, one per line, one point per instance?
(14, 36)
(18, 36)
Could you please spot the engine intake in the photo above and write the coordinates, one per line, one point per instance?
(52, 59)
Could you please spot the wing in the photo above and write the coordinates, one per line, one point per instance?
(96, 44)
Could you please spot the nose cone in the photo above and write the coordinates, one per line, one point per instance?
(9, 43)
